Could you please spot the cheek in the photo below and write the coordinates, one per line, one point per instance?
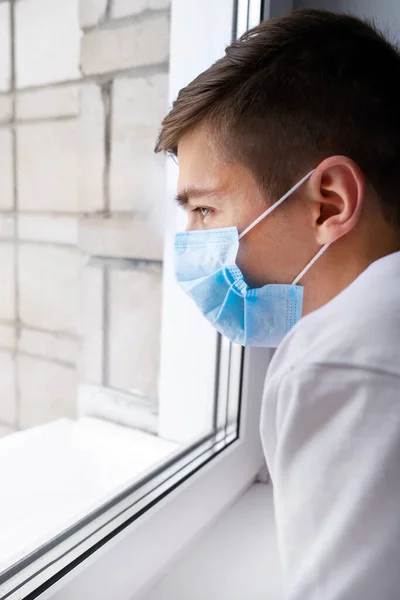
(225, 217)
(262, 254)
(254, 260)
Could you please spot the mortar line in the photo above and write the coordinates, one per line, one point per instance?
(108, 22)
(106, 94)
(130, 72)
(41, 357)
(56, 333)
(32, 120)
(7, 322)
(52, 244)
(107, 12)
(114, 262)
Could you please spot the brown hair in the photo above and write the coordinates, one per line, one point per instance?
(295, 90)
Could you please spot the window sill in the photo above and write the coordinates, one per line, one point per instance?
(235, 558)
(55, 474)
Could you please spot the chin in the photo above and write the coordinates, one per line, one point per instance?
(254, 283)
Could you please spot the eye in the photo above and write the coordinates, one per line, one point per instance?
(203, 211)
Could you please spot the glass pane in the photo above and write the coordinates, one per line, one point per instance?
(100, 394)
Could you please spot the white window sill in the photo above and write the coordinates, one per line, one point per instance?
(236, 558)
(55, 474)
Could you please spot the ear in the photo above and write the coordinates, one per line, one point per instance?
(337, 187)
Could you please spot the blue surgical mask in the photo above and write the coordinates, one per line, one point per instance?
(206, 269)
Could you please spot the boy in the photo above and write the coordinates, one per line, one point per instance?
(289, 160)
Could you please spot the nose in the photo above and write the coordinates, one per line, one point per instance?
(192, 225)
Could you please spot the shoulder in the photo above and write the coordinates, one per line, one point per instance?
(343, 355)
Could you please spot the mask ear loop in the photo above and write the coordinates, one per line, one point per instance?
(312, 261)
(277, 203)
(273, 207)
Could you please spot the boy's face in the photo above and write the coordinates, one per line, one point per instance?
(219, 194)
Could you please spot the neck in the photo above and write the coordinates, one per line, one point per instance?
(342, 263)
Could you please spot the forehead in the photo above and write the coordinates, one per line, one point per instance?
(201, 164)
(199, 158)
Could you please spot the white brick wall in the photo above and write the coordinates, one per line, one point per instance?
(123, 8)
(91, 324)
(48, 286)
(91, 149)
(7, 294)
(47, 41)
(7, 226)
(47, 391)
(5, 47)
(59, 229)
(137, 174)
(55, 346)
(8, 409)
(114, 49)
(6, 170)
(135, 321)
(48, 103)
(48, 166)
(5, 106)
(61, 172)
(91, 12)
(121, 236)
(7, 337)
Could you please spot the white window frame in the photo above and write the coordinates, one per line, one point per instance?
(133, 559)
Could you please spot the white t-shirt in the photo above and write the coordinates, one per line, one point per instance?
(330, 428)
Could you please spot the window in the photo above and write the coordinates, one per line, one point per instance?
(115, 444)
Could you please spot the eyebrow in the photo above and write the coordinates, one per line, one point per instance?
(192, 192)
